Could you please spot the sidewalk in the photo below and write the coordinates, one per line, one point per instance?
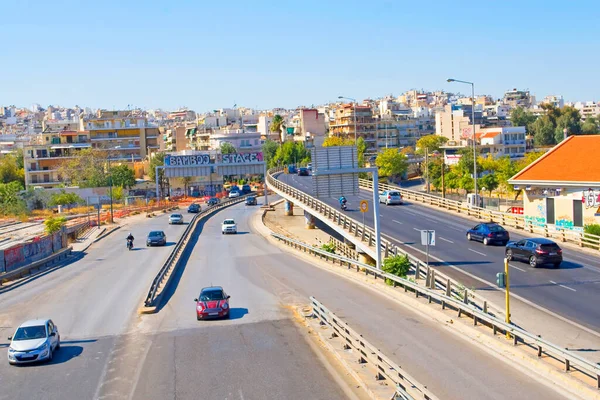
(580, 340)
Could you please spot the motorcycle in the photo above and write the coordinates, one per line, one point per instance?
(130, 244)
(344, 206)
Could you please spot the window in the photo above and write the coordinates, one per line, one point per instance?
(531, 245)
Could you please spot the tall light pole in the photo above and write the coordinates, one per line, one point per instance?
(355, 129)
(474, 138)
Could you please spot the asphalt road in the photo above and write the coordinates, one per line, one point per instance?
(91, 301)
(258, 354)
(571, 291)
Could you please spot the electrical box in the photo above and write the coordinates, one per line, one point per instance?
(501, 279)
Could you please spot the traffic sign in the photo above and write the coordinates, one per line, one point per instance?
(428, 238)
(364, 206)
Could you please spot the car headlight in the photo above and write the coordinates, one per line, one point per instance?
(225, 306)
(44, 346)
(11, 350)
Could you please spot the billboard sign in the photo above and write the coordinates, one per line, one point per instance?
(242, 158)
(330, 171)
(187, 161)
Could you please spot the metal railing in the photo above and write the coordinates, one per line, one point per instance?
(364, 239)
(568, 358)
(406, 385)
(516, 221)
(161, 280)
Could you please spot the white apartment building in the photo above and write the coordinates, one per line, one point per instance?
(502, 141)
(588, 109)
(454, 123)
(242, 140)
(555, 100)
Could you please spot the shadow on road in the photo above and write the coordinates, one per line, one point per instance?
(66, 353)
(443, 264)
(237, 313)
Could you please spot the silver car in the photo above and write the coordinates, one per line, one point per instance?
(176, 219)
(391, 197)
(34, 340)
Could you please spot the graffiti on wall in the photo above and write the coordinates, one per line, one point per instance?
(564, 222)
(591, 198)
(538, 217)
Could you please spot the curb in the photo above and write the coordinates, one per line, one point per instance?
(105, 234)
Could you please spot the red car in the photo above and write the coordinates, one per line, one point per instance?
(213, 302)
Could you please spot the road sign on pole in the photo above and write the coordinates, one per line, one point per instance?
(364, 206)
(427, 239)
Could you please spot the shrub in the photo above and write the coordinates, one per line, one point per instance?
(328, 247)
(396, 265)
(592, 229)
(54, 224)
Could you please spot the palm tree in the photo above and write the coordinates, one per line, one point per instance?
(186, 181)
(278, 124)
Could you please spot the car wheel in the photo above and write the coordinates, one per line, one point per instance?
(533, 261)
(469, 236)
(147, 245)
(486, 241)
(58, 344)
(198, 318)
(509, 255)
(556, 265)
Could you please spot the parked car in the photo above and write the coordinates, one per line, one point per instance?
(176, 219)
(228, 226)
(250, 201)
(536, 251)
(233, 194)
(212, 201)
(291, 169)
(34, 340)
(156, 238)
(309, 166)
(303, 172)
(212, 302)
(246, 189)
(391, 197)
(194, 208)
(488, 233)
(234, 188)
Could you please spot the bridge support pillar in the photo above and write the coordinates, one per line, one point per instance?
(289, 208)
(310, 220)
(365, 258)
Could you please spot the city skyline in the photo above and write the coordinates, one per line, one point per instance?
(268, 55)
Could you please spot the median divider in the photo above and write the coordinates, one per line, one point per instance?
(163, 278)
(569, 360)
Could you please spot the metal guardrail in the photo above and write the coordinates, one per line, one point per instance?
(568, 358)
(405, 384)
(516, 221)
(364, 235)
(44, 262)
(161, 280)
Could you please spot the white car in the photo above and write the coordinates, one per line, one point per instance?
(228, 226)
(176, 219)
(34, 340)
(391, 197)
(233, 194)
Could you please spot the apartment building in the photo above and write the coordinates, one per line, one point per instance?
(242, 140)
(454, 122)
(554, 100)
(57, 125)
(588, 109)
(519, 98)
(47, 151)
(125, 135)
(308, 127)
(348, 116)
(503, 141)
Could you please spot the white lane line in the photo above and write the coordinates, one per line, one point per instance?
(456, 229)
(398, 222)
(432, 220)
(478, 252)
(566, 287)
(417, 229)
(515, 267)
(553, 282)
(445, 240)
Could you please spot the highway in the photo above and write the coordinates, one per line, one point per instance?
(92, 301)
(110, 352)
(571, 291)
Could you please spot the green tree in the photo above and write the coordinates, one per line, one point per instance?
(396, 265)
(123, 176)
(543, 131)
(361, 148)
(11, 168)
(489, 182)
(186, 183)
(291, 153)
(37, 199)
(521, 117)
(337, 141)
(227, 148)
(54, 224)
(277, 124)
(464, 169)
(408, 151)
(590, 126)
(64, 198)
(569, 119)
(430, 142)
(269, 149)
(86, 168)
(117, 193)
(391, 163)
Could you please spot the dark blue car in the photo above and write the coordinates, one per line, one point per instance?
(488, 233)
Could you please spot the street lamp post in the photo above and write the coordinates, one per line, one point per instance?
(110, 188)
(355, 129)
(474, 138)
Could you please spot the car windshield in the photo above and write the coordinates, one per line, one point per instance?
(155, 233)
(496, 228)
(212, 295)
(229, 222)
(394, 193)
(30, 332)
(176, 215)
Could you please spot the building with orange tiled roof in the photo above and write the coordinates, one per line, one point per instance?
(562, 188)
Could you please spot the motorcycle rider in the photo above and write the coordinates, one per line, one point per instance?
(130, 239)
(343, 202)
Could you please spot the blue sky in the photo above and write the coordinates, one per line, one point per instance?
(212, 54)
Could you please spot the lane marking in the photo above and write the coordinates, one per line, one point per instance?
(553, 282)
(445, 240)
(478, 252)
(456, 229)
(418, 230)
(566, 287)
(515, 267)
(398, 222)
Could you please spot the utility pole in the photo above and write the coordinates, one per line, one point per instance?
(443, 180)
(427, 169)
